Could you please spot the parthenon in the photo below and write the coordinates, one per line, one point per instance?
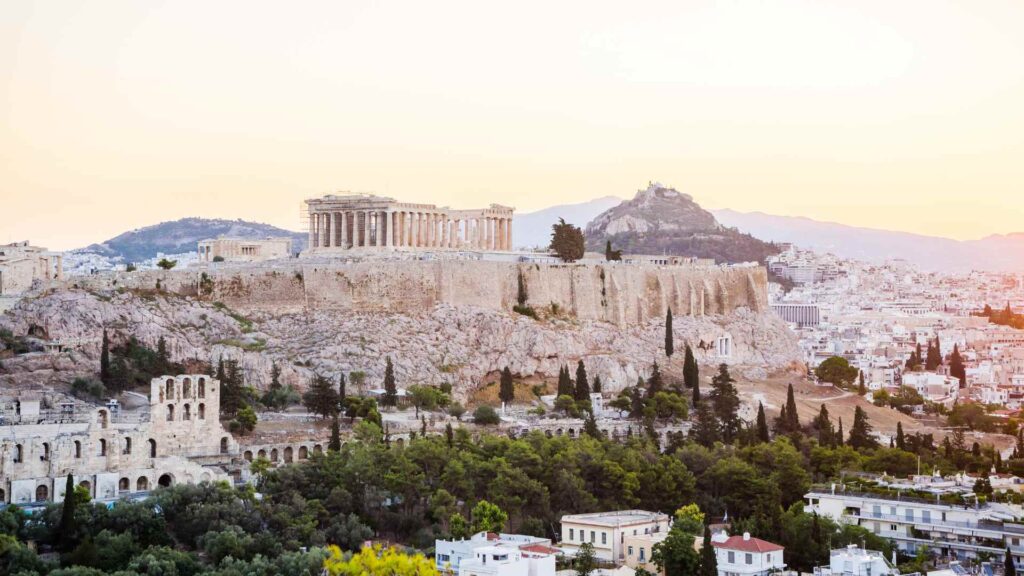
(366, 221)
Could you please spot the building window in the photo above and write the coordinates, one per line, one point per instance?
(604, 538)
(103, 447)
(78, 449)
(732, 557)
(750, 558)
(127, 445)
(642, 554)
(572, 534)
(592, 539)
(630, 551)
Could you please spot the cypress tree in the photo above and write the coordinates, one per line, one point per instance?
(506, 389)
(840, 437)
(654, 383)
(708, 560)
(726, 403)
(449, 434)
(669, 343)
(762, 425)
(390, 388)
(696, 392)
(105, 359)
(860, 432)
(956, 366)
(335, 444)
(565, 382)
(342, 397)
(162, 359)
(590, 427)
(901, 441)
(792, 415)
(582, 391)
(691, 372)
(1009, 569)
(67, 516)
(824, 426)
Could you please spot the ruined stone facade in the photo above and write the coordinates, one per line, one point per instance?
(115, 454)
(364, 221)
(244, 249)
(22, 264)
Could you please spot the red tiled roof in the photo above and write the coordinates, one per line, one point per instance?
(751, 545)
(539, 549)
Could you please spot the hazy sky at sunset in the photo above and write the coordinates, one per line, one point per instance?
(906, 115)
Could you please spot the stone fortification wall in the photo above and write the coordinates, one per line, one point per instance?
(623, 294)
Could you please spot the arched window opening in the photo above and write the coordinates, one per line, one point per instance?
(152, 448)
(42, 493)
(303, 453)
(202, 411)
(318, 449)
(165, 480)
(261, 454)
(78, 449)
(187, 414)
(170, 413)
(127, 446)
(103, 447)
(85, 484)
(46, 452)
(104, 419)
(123, 485)
(224, 445)
(202, 387)
(142, 484)
(170, 389)
(186, 387)
(288, 455)
(248, 455)
(273, 455)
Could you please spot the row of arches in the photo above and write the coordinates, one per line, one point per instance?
(124, 485)
(167, 393)
(186, 412)
(285, 455)
(47, 451)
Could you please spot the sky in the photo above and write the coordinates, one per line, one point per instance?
(899, 115)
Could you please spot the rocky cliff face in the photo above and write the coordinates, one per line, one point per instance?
(662, 220)
(463, 345)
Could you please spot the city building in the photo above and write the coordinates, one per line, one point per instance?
(607, 531)
(365, 221)
(21, 265)
(856, 561)
(244, 249)
(490, 553)
(799, 314)
(961, 531)
(747, 556)
(640, 547)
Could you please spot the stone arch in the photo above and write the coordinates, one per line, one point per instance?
(202, 388)
(3, 496)
(103, 446)
(273, 454)
(572, 433)
(152, 448)
(202, 411)
(400, 442)
(206, 477)
(42, 493)
(127, 445)
(169, 389)
(186, 412)
(247, 455)
(318, 449)
(166, 480)
(558, 432)
(288, 455)
(142, 484)
(78, 449)
(186, 388)
(124, 485)
(87, 485)
(303, 452)
(103, 417)
(547, 433)
(261, 454)
(46, 451)
(224, 445)
(170, 412)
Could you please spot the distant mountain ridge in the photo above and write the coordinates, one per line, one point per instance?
(662, 220)
(998, 252)
(178, 236)
(533, 229)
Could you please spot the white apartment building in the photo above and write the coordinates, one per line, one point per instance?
(449, 555)
(501, 560)
(855, 561)
(607, 531)
(958, 530)
(746, 556)
(938, 388)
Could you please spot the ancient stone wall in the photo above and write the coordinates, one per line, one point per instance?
(623, 294)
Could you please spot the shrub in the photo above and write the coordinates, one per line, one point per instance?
(485, 416)
(88, 387)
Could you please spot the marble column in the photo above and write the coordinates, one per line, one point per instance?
(381, 227)
(312, 230)
(508, 234)
(344, 230)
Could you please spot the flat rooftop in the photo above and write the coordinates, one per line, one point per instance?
(616, 518)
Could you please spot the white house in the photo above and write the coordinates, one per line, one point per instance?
(502, 560)
(854, 561)
(746, 556)
(449, 555)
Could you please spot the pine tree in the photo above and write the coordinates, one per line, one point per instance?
(506, 389)
(321, 398)
(582, 390)
(669, 342)
(860, 432)
(823, 425)
(726, 403)
(596, 386)
(390, 388)
(564, 382)
(901, 441)
(335, 444)
(708, 560)
(275, 377)
(956, 366)
(567, 241)
(590, 427)
(654, 383)
(231, 393)
(762, 425)
(105, 359)
(67, 516)
(691, 372)
(706, 431)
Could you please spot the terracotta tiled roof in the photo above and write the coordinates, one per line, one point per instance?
(539, 549)
(751, 545)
